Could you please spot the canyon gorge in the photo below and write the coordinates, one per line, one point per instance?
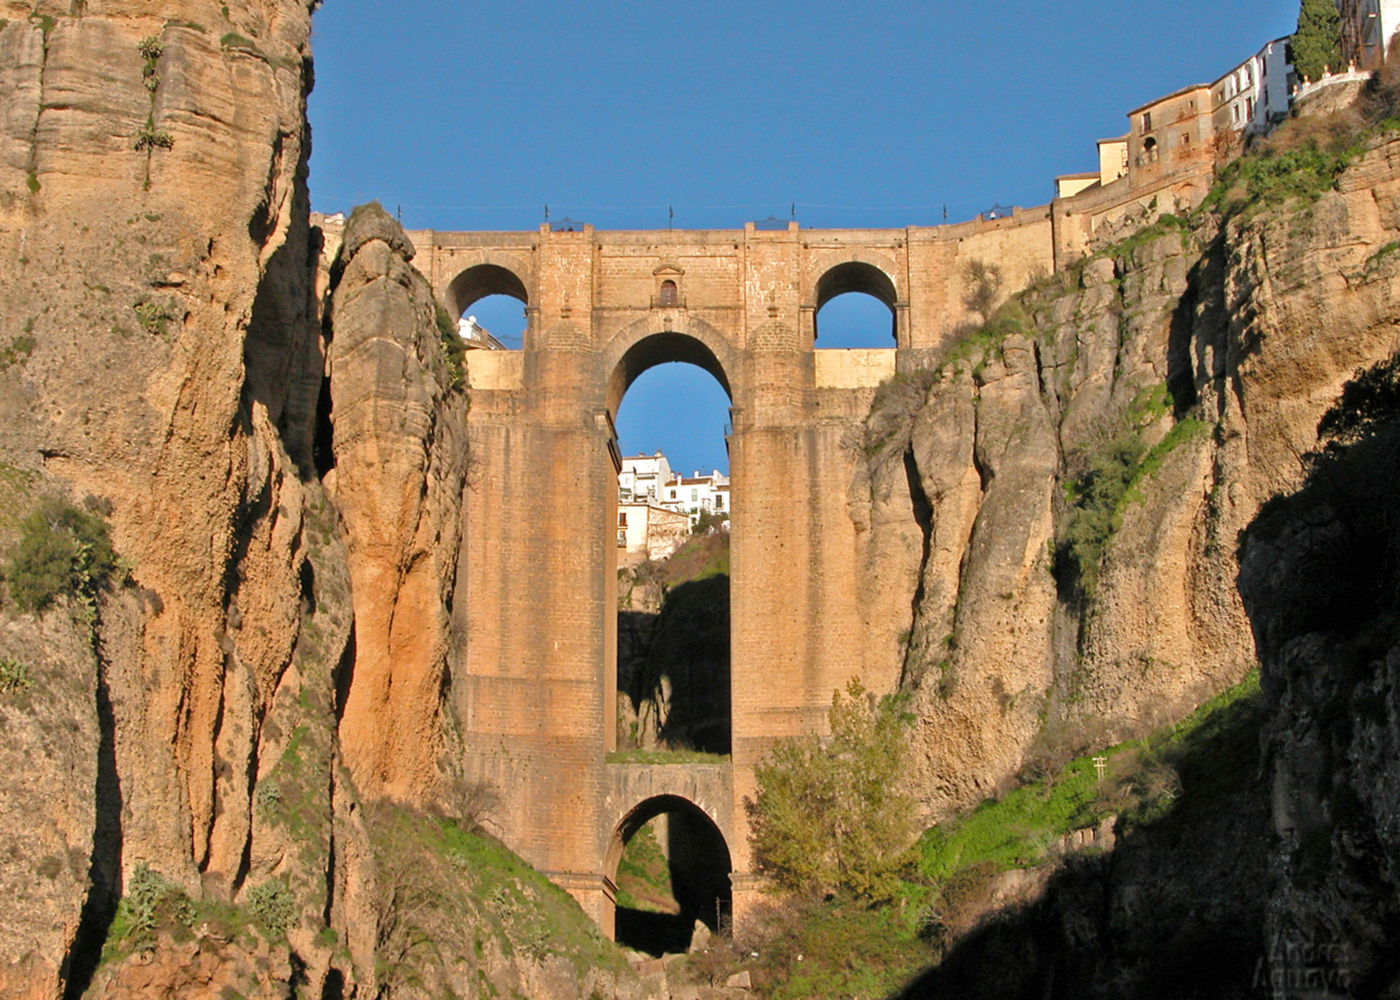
(241, 762)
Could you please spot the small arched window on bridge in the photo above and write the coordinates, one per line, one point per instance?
(855, 308)
(670, 294)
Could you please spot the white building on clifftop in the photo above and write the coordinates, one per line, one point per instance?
(643, 477)
(699, 494)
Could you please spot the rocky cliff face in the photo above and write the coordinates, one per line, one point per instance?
(153, 228)
(1049, 522)
(1080, 470)
(197, 740)
(1187, 483)
(673, 650)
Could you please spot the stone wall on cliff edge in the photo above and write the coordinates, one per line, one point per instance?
(1216, 350)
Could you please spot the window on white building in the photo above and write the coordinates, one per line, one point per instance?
(622, 519)
(694, 495)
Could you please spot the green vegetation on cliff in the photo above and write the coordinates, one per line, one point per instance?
(155, 906)
(828, 814)
(1304, 157)
(1105, 477)
(1150, 789)
(63, 551)
(453, 350)
(644, 875)
(699, 557)
(453, 900)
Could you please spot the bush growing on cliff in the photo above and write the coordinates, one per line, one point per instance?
(828, 815)
(151, 904)
(984, 282)
(1175, 779)
(273, 906)
(14, 677)
(1280, 172)
(1094, 496)
(453, 350)
(63, 551)
(1103, 479)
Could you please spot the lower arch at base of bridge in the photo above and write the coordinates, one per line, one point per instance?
(698, 799)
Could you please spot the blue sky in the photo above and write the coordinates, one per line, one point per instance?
(467, 115)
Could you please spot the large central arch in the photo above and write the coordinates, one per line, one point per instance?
(684, 647)
(637, 351)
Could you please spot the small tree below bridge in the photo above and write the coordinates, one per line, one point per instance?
(828, 815)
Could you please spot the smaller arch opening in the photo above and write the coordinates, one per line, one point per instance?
(670, 293)
(671, 866)
(495, 298)
(855, 307)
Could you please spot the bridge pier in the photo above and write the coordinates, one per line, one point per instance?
(747, 894)
(595, 893)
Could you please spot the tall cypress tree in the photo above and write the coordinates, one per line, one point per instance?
(1317, 44)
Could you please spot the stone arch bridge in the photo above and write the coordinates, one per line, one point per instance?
(538, 699)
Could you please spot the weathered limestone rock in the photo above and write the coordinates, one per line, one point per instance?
(209, 965)
(1319, 577)
(1219, 351)
(49, 742)
(401, 464)
(1002, 623)
(154, 246)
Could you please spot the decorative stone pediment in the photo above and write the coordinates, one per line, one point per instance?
(668, 269)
